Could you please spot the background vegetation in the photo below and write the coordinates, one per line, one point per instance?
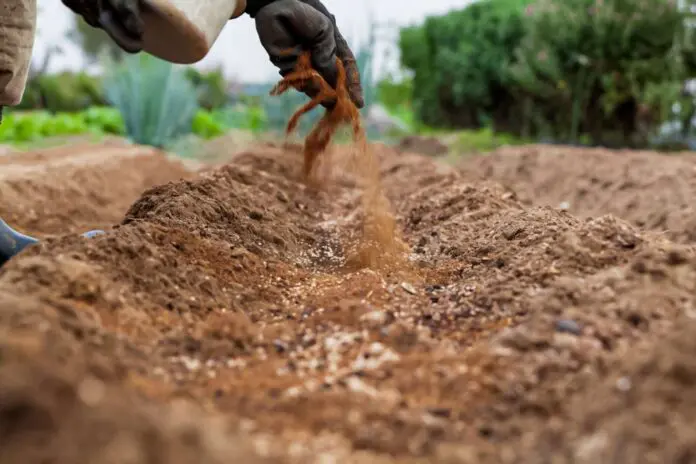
(600, 72)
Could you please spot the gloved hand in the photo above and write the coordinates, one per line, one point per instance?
(287, 28)
(119, 18)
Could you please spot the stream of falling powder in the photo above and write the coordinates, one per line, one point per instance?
(380, 246)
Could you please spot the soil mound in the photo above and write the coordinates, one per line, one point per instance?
(78, 188)
(653, 191)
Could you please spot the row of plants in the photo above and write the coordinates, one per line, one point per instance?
(609, 71)
(31, 126)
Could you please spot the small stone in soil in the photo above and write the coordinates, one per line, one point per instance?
(568, 326)
(408, 288)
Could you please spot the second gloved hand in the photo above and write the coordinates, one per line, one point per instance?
(119, 18)
(287, 28)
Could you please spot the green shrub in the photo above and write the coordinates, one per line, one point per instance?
(30, 126)
(211, 87)
(156, 99)
(608, 71)
(206, 126)
(459, 63)
(395, 94)
(62, 92)
(21, 127)
(104, 119)
(594, 67)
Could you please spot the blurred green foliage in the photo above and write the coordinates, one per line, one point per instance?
(94, 42)
(211, 87)
(31, 126)
(156, 99)
(62, 92)
(19, 127)
(459, 62)
(74, 91)
(604, 70)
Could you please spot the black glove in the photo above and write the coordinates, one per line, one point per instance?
(287, 28)
(119, 18)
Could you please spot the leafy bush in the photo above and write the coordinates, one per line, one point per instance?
(206, 126)
(211, 87)
(156, 99)
(395, 94)
(104, 119)
(245, 117)
(30, 126)
(19, 127)
(602, 67)
(459, 63)
(62, 92)
(605, 70)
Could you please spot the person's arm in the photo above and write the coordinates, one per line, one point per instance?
(17, 31)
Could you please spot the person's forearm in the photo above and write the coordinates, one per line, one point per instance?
(17, 31)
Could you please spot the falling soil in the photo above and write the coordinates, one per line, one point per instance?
(380, 246)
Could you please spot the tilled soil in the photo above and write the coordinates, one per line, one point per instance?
(217, 322)
(75, 188)
(654, 193)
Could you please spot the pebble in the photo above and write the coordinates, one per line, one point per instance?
(568, 326)
(409, 288)
(624, 384)
(91, 391)
(375, 318)
(280, 346)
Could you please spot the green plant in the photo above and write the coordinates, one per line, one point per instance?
(21, 127)
(66, 91)
(598, 67)
(156, 99)
(395, 94)
(459, 64)
(206, 126)
(104, 119)
(211, 87)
